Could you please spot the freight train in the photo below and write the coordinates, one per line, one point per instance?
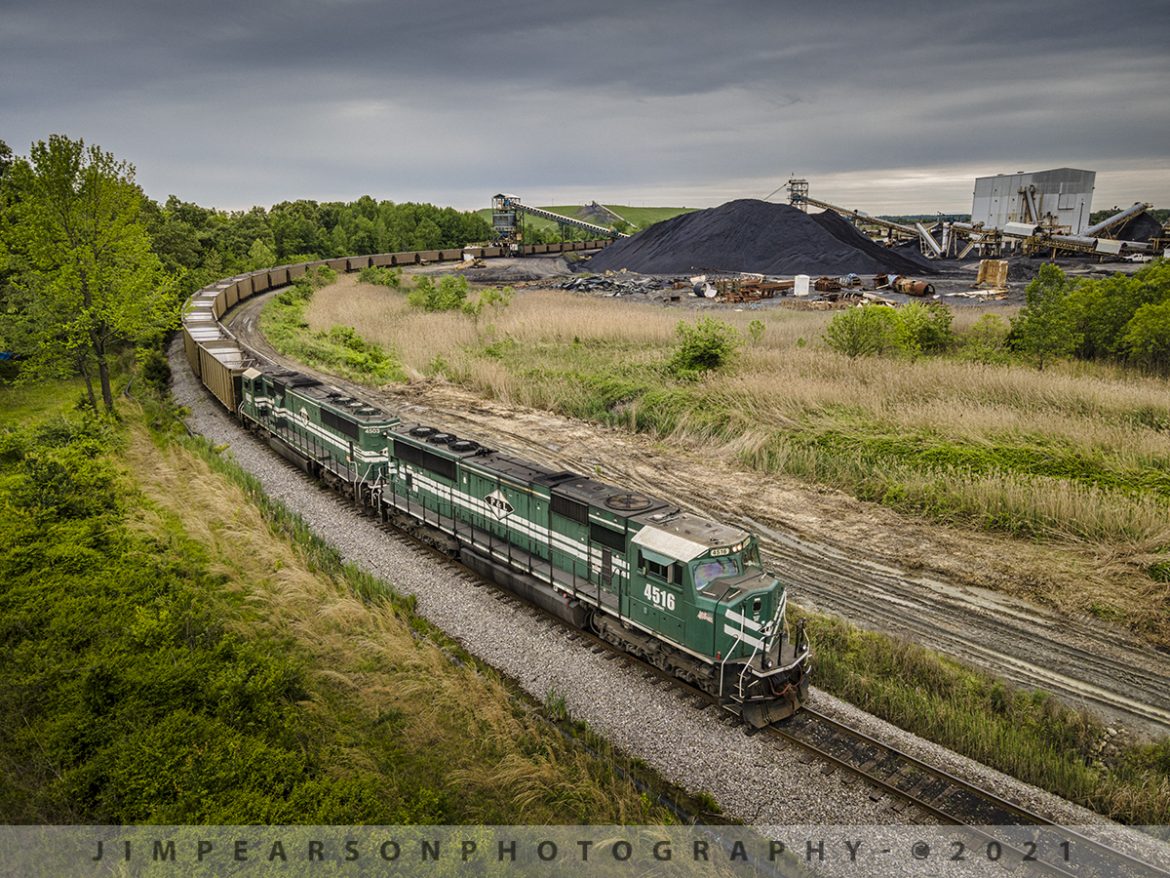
(686, 594)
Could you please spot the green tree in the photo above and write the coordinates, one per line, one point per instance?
(1104, 307)
(1045, 328)
(860, 332)
(260, 255)
(6, 159)
(91, 281)
(1147, 337)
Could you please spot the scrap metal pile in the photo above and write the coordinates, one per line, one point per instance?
(612, 283)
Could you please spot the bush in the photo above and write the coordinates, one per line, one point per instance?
(703, 347)
(863, 331)
(382, 277)
(495, 298)
(986, 341)
(156, 371)
(450, 293)
(924, 329)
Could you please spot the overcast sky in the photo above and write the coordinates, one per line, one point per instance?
(887, 107)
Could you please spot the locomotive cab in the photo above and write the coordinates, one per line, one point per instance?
(704, 587)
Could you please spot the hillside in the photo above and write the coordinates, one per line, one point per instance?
(640, 217)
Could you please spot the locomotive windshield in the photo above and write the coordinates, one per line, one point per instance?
(709, 569)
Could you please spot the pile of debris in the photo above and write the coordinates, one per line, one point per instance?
(611, 283)
(756, 236)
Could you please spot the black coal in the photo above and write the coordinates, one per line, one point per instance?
(757, 236)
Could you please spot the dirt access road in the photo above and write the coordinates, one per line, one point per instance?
(877, 569)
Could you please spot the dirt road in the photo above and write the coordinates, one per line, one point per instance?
(877, 569)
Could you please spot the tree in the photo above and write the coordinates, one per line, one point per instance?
(1045, 328)
(260, 255)
(91, 281)
(1147, 336)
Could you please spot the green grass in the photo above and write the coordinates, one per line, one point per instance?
(930, 472)
(26, 404)
(1026, 734)
(644, 217)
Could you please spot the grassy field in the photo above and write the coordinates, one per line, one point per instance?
(1075, 457)
(177, 648)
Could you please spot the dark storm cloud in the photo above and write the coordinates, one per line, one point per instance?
(232, 103)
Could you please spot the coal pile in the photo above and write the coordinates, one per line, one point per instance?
(755, 236)
(1141, 228)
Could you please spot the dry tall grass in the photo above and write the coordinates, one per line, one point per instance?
(453, 724)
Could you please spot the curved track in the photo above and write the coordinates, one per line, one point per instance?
(1085, 665)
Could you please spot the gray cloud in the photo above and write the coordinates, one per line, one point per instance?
(240, 103)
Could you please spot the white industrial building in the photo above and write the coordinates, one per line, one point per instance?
(1060, 197)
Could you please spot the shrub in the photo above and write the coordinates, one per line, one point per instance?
(924, 329)
(986, 341)
(493, 297)
(863, 331)
(156, 371)
(450, 293)
(382, 277)
(703, 347)
(755, 331)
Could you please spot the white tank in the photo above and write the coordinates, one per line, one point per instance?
(802, 284)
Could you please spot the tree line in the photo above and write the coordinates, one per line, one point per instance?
(90, 266)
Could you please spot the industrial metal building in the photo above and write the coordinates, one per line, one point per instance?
(1060, 197)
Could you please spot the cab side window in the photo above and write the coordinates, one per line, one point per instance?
(670, 573)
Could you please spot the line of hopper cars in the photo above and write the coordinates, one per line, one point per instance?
(686, 594)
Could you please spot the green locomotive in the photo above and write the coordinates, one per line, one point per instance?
(683, 593)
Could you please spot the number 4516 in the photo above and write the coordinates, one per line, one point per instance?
(660, 597)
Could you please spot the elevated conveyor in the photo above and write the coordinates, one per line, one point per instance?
(503, 203)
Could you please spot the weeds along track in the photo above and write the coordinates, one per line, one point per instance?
(1080, 663)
